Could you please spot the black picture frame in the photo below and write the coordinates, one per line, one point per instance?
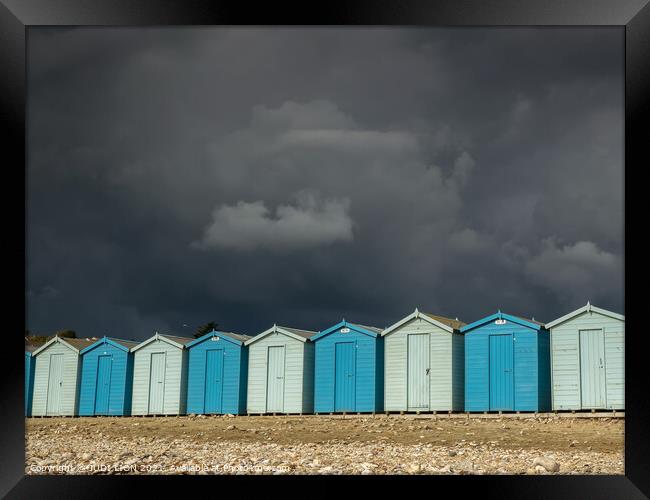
(16, 16)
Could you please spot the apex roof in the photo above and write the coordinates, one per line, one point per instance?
(529, 323)
(75, 344)
(238, 338)
(302, 335)
(586, 308)
(447, 324)
(456, 324)
(366, 330)
(179, 342)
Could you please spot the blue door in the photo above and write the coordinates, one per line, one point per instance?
(501, 373)
(213, 380)
(344, 382)
(103, 389)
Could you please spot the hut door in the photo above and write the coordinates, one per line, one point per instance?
(55, 384)
(275, 380)
(344, 383)
(418, 371)
(501, 373)
(157, 382)
(103, 384)
(213, 380)
(592, 368)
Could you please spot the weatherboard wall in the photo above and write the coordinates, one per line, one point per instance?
(565, 362)
(234, 373)
(120, 384)
(29, 382)
(368, 367)
(530, 376)
(298, 374)
(445, 378)
(175, 390)
(68, 399)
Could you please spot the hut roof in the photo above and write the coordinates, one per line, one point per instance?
(178, 340)
(456, 324)
(79, 344)
(535, 325)
(216, 333)
(367, 330)
(303, 335)
(236, 336)
(586, 308)
(447, 324)
(371, 328)
(126, 343)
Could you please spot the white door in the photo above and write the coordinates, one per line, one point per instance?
(592, 369)
(157, 383)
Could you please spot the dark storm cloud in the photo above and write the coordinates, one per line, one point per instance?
(248, 176)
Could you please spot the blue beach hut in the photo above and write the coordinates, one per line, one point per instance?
(106, 378)
(217, 373)
(507, 364)
(349, 369)
(29, 378)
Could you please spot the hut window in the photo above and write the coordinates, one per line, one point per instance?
(345, 330)
(500, 322)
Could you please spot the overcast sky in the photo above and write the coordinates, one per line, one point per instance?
(300, 176)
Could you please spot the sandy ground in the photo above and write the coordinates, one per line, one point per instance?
(324, 445)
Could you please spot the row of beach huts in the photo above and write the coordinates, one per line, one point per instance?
(422, 363)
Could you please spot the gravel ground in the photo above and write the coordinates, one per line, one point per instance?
(324, 445)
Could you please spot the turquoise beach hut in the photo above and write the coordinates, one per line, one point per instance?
(349, 369)
(217, 373)
(507, 364)
(106, 377)
(29, 378)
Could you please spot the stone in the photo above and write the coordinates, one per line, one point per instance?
(547, 463)
(464, 465)
(413, 468)
(173, 445)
